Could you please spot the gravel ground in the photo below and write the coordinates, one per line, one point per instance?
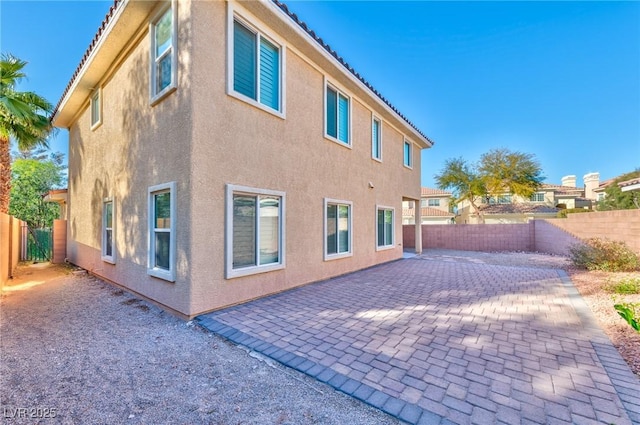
(86, 352)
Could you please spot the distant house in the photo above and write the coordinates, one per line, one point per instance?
(222, 151)
(630, 185)
(434, 208)
(545, 203)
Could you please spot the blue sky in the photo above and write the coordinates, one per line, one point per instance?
(560, 80)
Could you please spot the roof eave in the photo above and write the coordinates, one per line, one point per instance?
(120, 24)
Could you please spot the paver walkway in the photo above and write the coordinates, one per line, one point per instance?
(436, 341)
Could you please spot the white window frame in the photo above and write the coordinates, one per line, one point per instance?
(535, 196)
(169, 275)
(339, 92)
(234, 14)
(108, 258)
(230, 272)
(393, 236)
(157, 97)
(375, 119)
(404, 145)
(433, 202)
(349, 253)
(96, 98)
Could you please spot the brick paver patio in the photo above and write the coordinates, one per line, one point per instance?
(435, 342)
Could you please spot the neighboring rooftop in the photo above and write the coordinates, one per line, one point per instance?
(427, 191)
(520, 208)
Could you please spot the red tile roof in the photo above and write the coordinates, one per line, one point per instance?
(427, 212)
(87, 53)
(283, 7)
(427, 191)
(521, 208)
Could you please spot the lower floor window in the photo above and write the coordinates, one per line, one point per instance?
(337, 228)
(107, 231)
(385, 227)
(162, 218)
(255, 232)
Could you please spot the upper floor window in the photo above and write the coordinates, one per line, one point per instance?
(408, 154)
(376, 139)
(537, 197)
(255, 232)
(163, 53)
(162, 225)
(337, 115)
(434, 202)
(337, 229)
(423, 202)
(96, 108)
(502, 199)
(256, 66)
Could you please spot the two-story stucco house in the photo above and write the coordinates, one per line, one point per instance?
(220, 151)
(548, 200)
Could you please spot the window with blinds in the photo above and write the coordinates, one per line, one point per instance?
(337, 115)
(256, 66)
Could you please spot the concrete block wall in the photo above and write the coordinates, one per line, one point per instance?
(473, 237)
(9, 246)
(553, 236)
(621, 225)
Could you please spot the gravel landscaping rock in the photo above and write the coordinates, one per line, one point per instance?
(84, 351)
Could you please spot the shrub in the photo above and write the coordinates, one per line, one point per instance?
(564, 212)
(605, 255)
(625, 286)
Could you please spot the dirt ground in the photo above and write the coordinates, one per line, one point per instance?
(83, 351)
(593, 288)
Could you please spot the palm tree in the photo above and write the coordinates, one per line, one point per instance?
(24, 117)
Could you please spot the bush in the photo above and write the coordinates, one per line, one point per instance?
(564, 212)
(625, 286)
(605, 255)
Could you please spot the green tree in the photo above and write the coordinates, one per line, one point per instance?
(506, 171)
(616, 199)
(498, 172)
(32, 179)
(24, 117)
(463, 181)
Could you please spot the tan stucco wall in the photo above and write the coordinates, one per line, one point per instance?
(136, 146)
(291, 156)
(203, 139)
